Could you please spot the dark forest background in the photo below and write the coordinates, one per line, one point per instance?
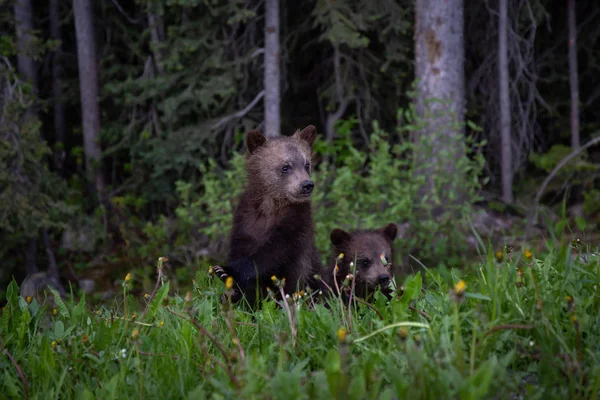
(122, 125)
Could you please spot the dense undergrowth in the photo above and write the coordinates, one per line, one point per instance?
(514, 325)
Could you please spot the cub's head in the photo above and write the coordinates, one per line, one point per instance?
(280, 168)
(371, 253)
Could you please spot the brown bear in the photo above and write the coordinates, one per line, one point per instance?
(367, 255)
(272, 233)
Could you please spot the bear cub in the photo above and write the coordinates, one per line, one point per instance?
(371, 251)
(272, 232)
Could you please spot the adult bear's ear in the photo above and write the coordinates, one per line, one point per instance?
(390, 231)
(255, 140)
(308, 134)
(339, 237)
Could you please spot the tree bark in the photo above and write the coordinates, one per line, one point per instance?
(439, 69)
(504, 92)
(88, 87)
(24, 29)
(272, 70)
(27, 70)
(156, 36)
(573, 75)
(57, 92)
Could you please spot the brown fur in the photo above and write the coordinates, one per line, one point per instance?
(363, 248)
(272, 233)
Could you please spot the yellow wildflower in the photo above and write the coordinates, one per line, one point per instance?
(54, 311)
(146, 296)
(229, 282)
(273, 278)
(161, 323)
(459, 287)
(528, 254)
(403, 333)
(342, 333)
(84, 338)
(499, 255)
(28, 299)
(236, 341)
(128, 277)
(211, 270)
(135, 333)
(573, 318)
(133, 317)
(340, 256)
(53, 344)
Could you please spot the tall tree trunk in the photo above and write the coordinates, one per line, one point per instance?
(26, 67)
(439, 68)
(573, 74)
(88, 86)
(57, 93)
(156, 36)
(505, 121)
(24, 28)
(272, 69)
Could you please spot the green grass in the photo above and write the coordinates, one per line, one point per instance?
(513, 332)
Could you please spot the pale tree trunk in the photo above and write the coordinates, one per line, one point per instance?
(505, 120)
(88, 87)
(27, 71)
(573, 75)
(272, 69)
(57, 93)
(439, 68)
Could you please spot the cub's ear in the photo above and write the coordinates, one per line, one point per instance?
(390, 231)
(308, 134)
(254, 140)
(339, 237)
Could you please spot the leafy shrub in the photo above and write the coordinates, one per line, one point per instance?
(355, 190)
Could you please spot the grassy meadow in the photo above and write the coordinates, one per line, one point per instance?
(514, 325)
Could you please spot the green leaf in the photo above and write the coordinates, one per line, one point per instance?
(161, 293)
(62, 307)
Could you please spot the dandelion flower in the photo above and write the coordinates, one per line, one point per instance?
(340, 256)
(161, 323)
(403, 333)
(229, 282)
(54, 311)
(28, 299)
(499, 255)
(528, 254)
(135, 333)
(459, 287)
(84, 338)
(146, 296)
(53, 344)
(273, 278)
(342, 333)
(128, 277)
(573, 318)
(211, 270)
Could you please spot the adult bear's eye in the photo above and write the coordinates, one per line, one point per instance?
(364, 263)
(286, 168)
(307, 167)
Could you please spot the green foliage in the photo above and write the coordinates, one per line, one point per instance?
(32, 196)
(522, 327)
(355, 190)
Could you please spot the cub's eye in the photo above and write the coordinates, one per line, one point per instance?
(286, 168)
(364, 263)
(307, 167)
